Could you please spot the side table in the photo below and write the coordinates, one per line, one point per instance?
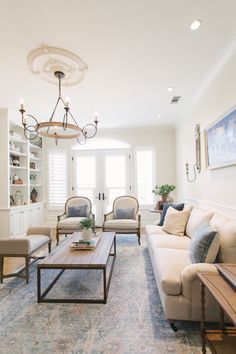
(224, 340)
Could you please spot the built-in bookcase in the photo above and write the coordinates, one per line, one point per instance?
(20, 174)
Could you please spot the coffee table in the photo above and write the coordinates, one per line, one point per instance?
(64, 258)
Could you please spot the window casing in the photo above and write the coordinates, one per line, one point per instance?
(57, 179)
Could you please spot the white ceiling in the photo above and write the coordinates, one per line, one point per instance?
(134, 50)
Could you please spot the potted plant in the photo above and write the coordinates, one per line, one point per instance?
(86, 225)
(163, 190)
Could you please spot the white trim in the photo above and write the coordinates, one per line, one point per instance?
(217, 207)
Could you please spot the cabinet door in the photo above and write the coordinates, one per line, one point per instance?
(18, 222)
(36, 215)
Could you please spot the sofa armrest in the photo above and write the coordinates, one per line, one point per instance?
(189, 276)
(47, 231)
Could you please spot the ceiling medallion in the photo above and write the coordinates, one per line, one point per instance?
(45, 61)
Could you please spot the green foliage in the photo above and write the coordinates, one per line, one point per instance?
(163, 189)
(86, 223)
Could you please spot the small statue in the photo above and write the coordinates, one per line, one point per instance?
(33, 195)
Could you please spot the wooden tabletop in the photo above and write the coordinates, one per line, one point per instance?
(64, 257)
(223, 292)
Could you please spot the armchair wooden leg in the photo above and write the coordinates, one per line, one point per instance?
(139, 236)
(57, 236)
(1, 269)
(27, 261)
(49, 247)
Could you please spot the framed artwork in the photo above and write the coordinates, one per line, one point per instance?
(220, 141)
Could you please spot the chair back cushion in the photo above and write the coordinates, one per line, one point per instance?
(76, 202)
(125, 202)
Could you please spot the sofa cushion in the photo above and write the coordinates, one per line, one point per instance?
(121, 224)
(197, 217)
(36, 241)
(226, 228)
(154, 229)
(77, 211)
(204, 244)
(69, 223)
(169, 265)
(175, 221)
(124, 213)
(167, 241)
(179, 207)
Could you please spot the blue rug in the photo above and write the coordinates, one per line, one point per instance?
(132, 322)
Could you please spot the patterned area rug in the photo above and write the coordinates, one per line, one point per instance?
(131, 322)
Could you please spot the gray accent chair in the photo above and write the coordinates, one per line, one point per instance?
(25, 246)
(124, 225)
(68, 225)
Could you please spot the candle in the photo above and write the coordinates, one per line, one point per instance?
(21, 103)
(67, 101)
(95, 117)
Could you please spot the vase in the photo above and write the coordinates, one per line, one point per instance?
(87, 234)
(164, 197)
(18, 198)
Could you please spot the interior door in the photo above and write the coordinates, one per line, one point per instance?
(101, 175)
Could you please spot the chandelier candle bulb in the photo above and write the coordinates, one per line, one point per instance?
(22, 103)
(67, 101)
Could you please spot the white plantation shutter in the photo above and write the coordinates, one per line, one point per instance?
(145, 176)
(57, 179)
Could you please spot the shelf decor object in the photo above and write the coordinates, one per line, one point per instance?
(68, 127)
(197, 165)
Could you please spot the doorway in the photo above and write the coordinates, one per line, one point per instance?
(101, 175)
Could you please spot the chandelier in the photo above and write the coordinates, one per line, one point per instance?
(67, 128)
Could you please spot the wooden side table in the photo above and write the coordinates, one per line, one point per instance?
(221, 341)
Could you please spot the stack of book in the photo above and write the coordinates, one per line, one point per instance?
(85, 245)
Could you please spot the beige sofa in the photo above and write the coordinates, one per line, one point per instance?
(176, 276)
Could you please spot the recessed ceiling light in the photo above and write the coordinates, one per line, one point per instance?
(195, 25)
(169, 89)
(159, 116)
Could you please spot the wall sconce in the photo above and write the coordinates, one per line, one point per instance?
(197, 165)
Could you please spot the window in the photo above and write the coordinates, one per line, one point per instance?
(57, 167)
(145, 176)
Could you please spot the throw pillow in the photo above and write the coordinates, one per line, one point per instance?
(178, 207)
(77, 211)
(204, 244)
(124, 213)
(175, 221)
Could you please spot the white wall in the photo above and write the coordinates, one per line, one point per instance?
(161, 139)
(212, 188)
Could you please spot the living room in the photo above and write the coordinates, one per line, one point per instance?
(124, 64)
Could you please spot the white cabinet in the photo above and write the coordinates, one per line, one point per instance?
(19, 222)
(36, 215)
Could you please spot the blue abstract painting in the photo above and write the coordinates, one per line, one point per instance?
(221, 142)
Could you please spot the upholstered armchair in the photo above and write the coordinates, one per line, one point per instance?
(125, 217)
(76, 209)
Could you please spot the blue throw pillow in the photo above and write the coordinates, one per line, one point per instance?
(77, 211)
(204, 244)
(124, 213)
(178, 207)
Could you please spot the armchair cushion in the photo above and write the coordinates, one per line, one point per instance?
(204, 244)
(70, 223)
(77, 211)
(121, 224)
(122, 213)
